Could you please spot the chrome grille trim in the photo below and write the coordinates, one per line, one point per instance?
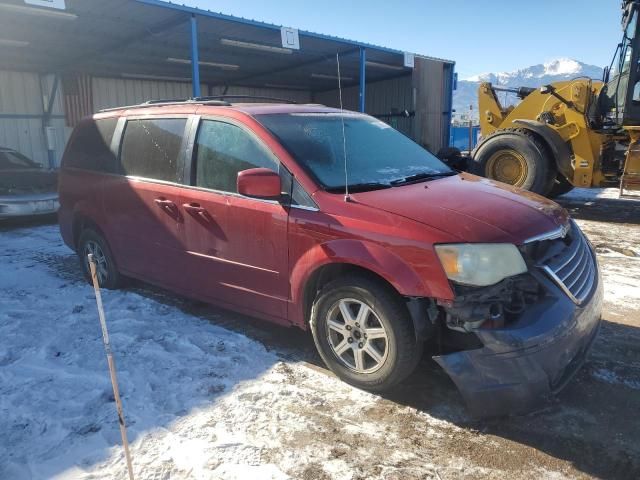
(574, 268)
(559, 232)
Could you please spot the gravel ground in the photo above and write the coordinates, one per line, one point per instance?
(211, 394)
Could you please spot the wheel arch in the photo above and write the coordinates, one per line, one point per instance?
(318, 267)
(81, 220)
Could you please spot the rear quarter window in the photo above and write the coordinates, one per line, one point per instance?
(90, 146)
(151, 148)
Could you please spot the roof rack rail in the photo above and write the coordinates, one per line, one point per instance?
(209, 100)
(247, 97)
(167, 102)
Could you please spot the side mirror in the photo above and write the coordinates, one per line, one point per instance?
(259, 183)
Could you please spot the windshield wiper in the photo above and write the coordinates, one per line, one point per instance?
(360, 187)
(421, 176)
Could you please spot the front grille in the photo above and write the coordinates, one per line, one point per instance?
(570, 262)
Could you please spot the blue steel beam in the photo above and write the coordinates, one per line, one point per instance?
(195, 61)
(52, 96)
(452, 85)
(363, 72)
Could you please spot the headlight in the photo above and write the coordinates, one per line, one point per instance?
(480, 264)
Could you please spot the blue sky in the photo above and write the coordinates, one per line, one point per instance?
(481, 36)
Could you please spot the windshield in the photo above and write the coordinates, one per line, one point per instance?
(377, 154)
(616, 92)
(624, 61)
(15, 161)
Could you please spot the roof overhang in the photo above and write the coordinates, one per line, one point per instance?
(151, 39)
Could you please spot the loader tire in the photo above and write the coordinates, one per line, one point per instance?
(560, 186)
(517, 157)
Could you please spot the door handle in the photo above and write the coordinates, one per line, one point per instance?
(164, 203)
(194, 208)
(198, 211)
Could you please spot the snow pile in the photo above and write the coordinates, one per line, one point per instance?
(621, 280)
(611, 377)
(592, 194)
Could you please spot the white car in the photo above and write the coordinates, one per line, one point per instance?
(25, 187)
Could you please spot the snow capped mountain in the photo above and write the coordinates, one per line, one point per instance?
(534, 76)
(564, 67)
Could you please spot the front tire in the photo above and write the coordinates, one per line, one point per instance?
(90, 241)
(364, 334)
(516, 157)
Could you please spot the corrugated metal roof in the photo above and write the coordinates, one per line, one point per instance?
(151, 39)
(261, 24)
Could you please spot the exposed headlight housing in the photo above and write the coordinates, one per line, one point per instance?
(480, 264)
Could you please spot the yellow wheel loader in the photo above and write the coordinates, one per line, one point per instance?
(577, 133)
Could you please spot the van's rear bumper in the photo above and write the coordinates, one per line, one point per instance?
(495, 380)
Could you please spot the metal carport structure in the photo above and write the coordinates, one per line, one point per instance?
(147, 49)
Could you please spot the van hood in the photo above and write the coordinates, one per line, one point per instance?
(470, 208)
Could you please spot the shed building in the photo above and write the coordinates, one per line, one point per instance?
(64, 59)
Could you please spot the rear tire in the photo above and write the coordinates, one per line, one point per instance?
(560, 186)
(364, 334)
(517, 157)
(91, 241)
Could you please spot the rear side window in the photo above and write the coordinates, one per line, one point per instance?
(223, 150)
(151, 148)
(90, 146)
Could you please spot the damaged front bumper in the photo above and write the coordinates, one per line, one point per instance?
(518, 369)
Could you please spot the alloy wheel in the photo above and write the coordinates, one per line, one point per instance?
(356, 335)
(101, 260)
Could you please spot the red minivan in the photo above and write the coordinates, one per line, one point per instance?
(335, 222)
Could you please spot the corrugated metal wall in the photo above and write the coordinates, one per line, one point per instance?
(299, 96)
(114, 92)
(22, 100)
(22, 104)
(432, 103)
(426, 92)
(381, 98)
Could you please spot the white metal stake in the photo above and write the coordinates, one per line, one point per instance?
(112, 365)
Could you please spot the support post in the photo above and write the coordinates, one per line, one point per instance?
(195, 61)
(47, 128)
(449, 118)
(363, 62)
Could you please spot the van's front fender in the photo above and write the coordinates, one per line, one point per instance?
(367, 255)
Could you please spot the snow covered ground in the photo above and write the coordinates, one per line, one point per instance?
(203, 401)
(593, 194)
(200, 401)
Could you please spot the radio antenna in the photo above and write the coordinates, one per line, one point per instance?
(344, 136)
